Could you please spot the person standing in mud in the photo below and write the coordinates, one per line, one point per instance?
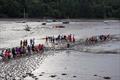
(33, 48)
(65, 38)
(21, 43)
(17, 51)
(73, 39)
(70, 38)
(31, 42)
(53, 39)
(13, 52)
(29, 49)
(46, 39)
(68, 45)
(24, 50)
(59, 37)
(39, 47)
(26, 42)
(9, 53)
(42, 47)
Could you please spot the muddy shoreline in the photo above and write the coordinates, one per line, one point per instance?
(72, 20)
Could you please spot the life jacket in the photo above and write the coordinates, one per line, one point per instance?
(6, 54)
(73, 39)
(9, 53)
(39, 46)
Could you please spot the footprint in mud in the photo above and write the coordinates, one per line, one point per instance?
(107, 77)
(40, 75)
(74, 76)
(42, 72)
(63, 74)
(95, 75)
(24, 76)
(52, 76)
(36, 78)
(32, 75)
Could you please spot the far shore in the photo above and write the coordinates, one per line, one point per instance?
(40, 20)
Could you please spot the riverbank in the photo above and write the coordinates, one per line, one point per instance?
(74, 20)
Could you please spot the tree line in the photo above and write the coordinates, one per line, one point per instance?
(60, 8)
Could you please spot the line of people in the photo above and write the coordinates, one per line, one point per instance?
(26, 49)
(60, 38)
(99, 38)
(23, 49)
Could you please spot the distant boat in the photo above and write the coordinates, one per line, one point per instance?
(54, 20)
(49, 20)
(24, 21)
(59, 26)
(65, 22)
(27, 28)
(44, 23)
(107, 21)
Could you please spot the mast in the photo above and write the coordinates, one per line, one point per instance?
(24, 14)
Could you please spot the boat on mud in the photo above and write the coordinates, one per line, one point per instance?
(59, 26)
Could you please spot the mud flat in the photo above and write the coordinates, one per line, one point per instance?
(62, 64)
(73, 65)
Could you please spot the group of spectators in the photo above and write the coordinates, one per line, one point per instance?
(27, 48)
(23, 49)
(60, 38)
(99, 38)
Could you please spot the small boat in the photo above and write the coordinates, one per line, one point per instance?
(54, 20)
(44, 23)
(59, 26)
(27, 28)
(49, 20)
(66, 22)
